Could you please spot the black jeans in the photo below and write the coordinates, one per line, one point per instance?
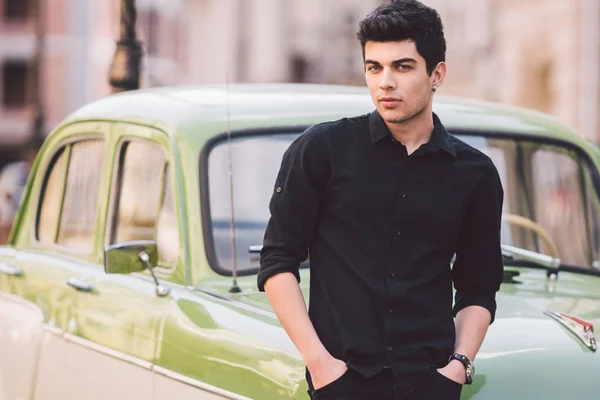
(353, 386)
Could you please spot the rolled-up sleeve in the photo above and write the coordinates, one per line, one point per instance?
(294, 207)
(478, 270)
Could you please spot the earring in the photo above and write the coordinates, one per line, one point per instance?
(434, 89)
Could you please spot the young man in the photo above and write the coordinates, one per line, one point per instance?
(382, 202)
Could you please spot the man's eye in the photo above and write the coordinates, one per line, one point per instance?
(374, 68)
(404, 67)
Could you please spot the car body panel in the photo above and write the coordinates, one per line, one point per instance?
(45, 302)
(229, 346)
(20, 337)
(521, 341)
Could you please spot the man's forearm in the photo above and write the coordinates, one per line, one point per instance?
(288, 303)
(471, 327)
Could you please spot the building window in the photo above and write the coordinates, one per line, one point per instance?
(16, 9)
(299, 69)
(14, 84)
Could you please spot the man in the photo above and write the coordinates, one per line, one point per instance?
(382, 202)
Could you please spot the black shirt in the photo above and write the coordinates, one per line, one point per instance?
(382, 228)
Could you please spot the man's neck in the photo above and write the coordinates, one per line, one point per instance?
(415, 132)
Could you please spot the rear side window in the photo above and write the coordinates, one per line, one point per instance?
(143, 206)
(52, 194)
(69, 201)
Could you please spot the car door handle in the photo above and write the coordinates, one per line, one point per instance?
(10, 270)
(80, 285)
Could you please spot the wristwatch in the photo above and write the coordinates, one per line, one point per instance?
(469, 367)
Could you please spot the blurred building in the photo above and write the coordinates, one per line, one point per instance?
(78, 45)
(536, 53)
(275, 40)
(77, 39)
(541, 54)
(17, 44)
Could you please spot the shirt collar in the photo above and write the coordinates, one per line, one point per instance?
(440, 138)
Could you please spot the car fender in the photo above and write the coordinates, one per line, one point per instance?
(21, 334)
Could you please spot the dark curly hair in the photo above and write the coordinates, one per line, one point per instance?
(400, 20)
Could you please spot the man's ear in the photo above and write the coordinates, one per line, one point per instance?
(439, 75)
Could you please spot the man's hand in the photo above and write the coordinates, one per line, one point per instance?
(455, 370)
(325, 369)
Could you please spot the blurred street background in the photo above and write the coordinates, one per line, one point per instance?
(55, 55)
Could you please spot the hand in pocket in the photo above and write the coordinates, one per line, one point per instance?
(326, 371)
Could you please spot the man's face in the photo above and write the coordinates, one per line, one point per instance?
(397, 78)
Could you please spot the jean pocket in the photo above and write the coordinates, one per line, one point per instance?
(333, 383)
(447, 380)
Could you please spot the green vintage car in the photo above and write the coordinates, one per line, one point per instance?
(119, 279)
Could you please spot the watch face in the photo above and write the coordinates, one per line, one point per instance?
(470, 372)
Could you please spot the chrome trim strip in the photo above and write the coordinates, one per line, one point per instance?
(52, 330)
(584, 330)
(528, 255)
(198, 384)
(106, 351)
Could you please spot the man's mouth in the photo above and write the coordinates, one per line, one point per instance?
(389, 101)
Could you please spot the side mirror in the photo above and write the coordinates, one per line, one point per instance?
(134, 256)
(124, 258)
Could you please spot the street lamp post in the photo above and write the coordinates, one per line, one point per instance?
(125, 68)
(38, 119)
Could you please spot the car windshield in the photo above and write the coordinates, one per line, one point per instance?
(550, 203)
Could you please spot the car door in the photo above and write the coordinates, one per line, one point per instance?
(117, 323)
(42, 270)
(214, 345)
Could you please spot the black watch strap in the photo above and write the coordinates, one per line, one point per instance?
(469, 370)
(462, 358)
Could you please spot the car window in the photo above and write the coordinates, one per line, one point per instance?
(550, 201)
(551, 204)
(80, 202)
(167, 232)
(256, 161)
(559, 202)
(143, 199)
(51, 199)
(69, 199)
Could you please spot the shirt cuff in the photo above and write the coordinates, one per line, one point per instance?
(464, 300)
(268, 272)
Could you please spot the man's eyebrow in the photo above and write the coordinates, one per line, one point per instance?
(395, 62)
(404, 61)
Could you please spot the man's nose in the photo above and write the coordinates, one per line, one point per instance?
(387, 80)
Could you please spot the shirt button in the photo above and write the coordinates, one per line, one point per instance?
(397, 232)
(392, 274)
(388, 310)
(403, 195)
(389, 348)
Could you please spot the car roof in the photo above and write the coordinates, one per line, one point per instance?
(197, 113)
